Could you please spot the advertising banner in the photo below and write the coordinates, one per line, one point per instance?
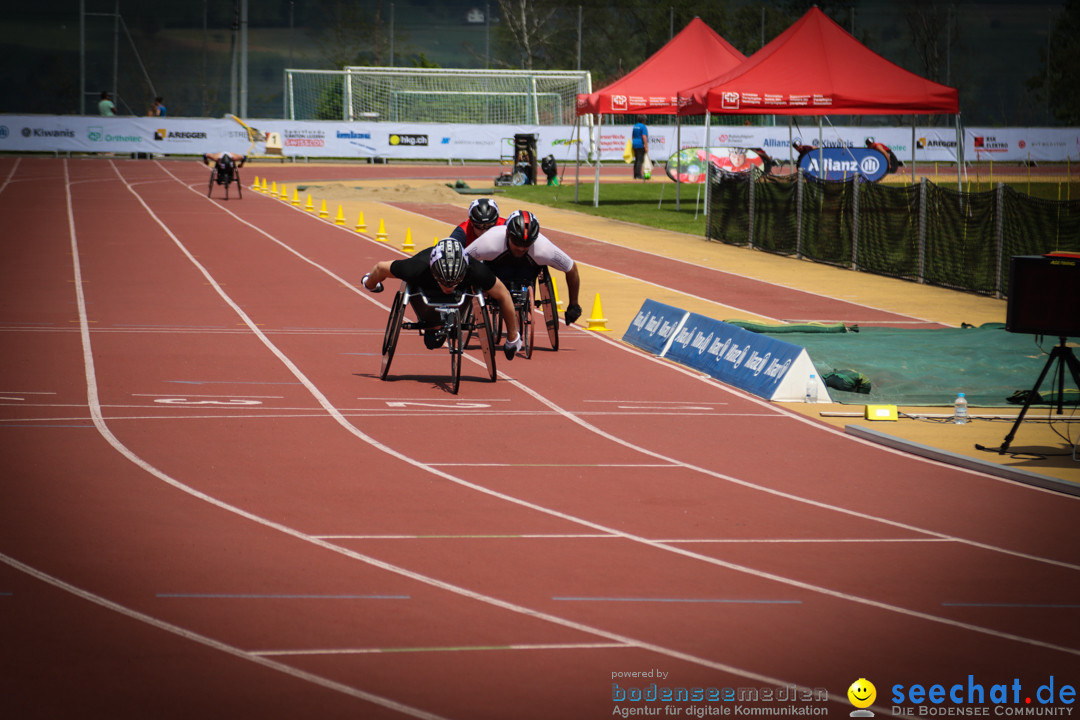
(370, 139)
(653, 328)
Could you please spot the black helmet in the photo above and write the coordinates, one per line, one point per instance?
(449, 262)
(522, 228)
(484, 212)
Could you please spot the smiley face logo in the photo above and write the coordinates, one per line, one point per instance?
(862, 693)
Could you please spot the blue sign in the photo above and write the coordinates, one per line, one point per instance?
(653, 326)
(833, 163)
(751, 361)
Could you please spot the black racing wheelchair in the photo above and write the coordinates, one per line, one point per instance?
(452, 322)
(525, 299)
(224, 172)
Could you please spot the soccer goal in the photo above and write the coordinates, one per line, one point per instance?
(435, 95)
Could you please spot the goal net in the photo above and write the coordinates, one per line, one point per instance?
(435, 95)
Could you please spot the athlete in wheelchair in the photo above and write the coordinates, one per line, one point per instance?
(521, 257)
(447, 295)
(224, 170)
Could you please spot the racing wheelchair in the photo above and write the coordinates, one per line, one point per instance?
(468, 313)
(224, 172)
(525, 299)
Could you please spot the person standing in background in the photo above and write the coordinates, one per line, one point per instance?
(158, 109)
(105, 106)
(639, 140)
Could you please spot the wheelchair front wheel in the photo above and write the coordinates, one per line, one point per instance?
(213, 179)
(453, 341)
(393, 331)
(526, 327)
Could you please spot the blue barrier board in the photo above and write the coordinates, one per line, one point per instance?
(750, 361)
(653, 326)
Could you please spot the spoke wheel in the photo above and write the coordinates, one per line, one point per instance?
(528, 328)
(393, 330)
(551, 310)
(453, 340)
(487, 338)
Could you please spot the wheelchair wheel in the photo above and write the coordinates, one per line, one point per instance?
(525, 324)
(551, 310)
(239, 185)
(453, 341)
(496, 322)
(213, 179)
(393, 330)
(482, 325)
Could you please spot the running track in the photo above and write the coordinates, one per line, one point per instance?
(211, 506)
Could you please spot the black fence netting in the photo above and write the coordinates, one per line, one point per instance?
(888, 230)
(961, 249)
(925, 233)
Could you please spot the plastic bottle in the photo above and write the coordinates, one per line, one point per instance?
(960, 415)
(811, 390)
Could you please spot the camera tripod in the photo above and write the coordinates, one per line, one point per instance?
(1062, 355)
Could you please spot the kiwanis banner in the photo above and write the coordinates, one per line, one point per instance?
(762, 365)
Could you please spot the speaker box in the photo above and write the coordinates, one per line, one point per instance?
(1044, 295)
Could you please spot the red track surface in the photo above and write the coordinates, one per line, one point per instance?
(211, 506)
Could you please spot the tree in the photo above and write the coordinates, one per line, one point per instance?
(1056, 84)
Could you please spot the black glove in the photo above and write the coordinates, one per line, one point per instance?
(512, 346)
(573, 312)
(379, 286)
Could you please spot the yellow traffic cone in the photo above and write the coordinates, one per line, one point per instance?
(322, 210)
(555, 287)
(436, 241)
(264, 186)
(284, 194)
(256, 187)
(381, 235)
(295, 198)
(340, 219)
(408, 246)
(273, 188)
(360, 226)
(309, 207)
(597, 321)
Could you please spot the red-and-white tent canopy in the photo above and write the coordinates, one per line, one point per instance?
(816, 68)
(693, 56)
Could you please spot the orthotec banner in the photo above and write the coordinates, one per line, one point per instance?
(184, 136)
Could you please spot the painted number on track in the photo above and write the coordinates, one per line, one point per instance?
(445, 405)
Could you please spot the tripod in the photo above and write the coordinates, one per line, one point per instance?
(1062, 355)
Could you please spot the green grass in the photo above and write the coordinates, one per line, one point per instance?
(634, 202)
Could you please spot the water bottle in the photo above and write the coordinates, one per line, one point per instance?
(960, 410)
(811, 389)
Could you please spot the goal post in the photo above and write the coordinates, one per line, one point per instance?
(436, 95)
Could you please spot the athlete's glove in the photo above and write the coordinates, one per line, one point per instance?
(512, 346)
(573, 312)
(378, 286)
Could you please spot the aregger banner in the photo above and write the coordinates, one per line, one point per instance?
(364, 140)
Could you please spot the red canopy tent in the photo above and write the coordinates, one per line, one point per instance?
(693, 56)
(696, 54)
(816, 68)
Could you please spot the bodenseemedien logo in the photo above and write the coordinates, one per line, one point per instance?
(862, 694)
